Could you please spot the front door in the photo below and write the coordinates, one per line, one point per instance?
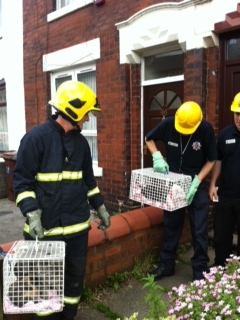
(160, 101)
(229, 75)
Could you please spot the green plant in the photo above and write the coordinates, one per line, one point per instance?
(142, 267)
(106, 311)
(157, 306)
(93, 297)
(115, 280)
(87, 294)
(182, 248)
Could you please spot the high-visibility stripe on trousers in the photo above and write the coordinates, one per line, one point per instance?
(58, 231)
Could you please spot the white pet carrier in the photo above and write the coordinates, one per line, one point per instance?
(165, 191)
(33, 277)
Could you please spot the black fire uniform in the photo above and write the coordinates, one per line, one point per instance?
(227, 215)
(54, 173)
(187, 154)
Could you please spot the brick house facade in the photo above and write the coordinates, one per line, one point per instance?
(118, 74)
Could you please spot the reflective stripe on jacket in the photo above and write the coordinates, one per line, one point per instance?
(53, 172)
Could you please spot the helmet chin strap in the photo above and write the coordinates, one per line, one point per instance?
(64, 116)
(78, 128)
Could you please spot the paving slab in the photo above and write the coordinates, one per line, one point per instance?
(130, 297)
(11, 222)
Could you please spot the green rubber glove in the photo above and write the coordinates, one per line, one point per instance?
(35, 225)
(159, 164)
(192, 190)
(104, 216)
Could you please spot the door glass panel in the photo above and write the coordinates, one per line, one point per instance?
(168, 64)
(233, 49)
(165, 99)
(157, 101)
(175, 103)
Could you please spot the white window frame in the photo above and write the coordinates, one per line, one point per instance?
(1, 18)
(63, 10)
(4, 144)
(63, 3)
(73, 74)
(158, 80)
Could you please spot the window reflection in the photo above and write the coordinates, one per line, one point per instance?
(164, 65)
(233, 49)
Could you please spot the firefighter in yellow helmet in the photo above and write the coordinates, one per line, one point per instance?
(235, 107)
(54, 185)
(74, 100)
(225, 175)
(190, 149)
(188, 117)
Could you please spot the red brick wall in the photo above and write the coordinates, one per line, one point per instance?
(200, 83)
(212, 87)
(118, 86)
(131, 236)
(195, 76)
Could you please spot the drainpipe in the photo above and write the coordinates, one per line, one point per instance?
(142, 117)
(131, 117)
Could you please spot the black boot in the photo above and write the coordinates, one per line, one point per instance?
(161, 272)
(64, 317)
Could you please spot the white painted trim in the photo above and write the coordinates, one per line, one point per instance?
(187, 24)
(11, 69)
(168, 5)
(163, 80)
(76, 5)
(98, 172)
(72, 56)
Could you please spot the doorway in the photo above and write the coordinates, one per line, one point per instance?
(229, 81)
(160, 101)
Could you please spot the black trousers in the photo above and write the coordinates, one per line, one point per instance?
(173, 226)
(226, 222)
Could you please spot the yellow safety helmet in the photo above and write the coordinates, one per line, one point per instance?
(75, 99)
(188, 117)
(235, 107)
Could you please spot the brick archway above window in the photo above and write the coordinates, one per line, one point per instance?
(231, 22)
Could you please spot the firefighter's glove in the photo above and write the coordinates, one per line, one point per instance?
(192, 190)
(159, 164)
(35, 225)
(104, 217)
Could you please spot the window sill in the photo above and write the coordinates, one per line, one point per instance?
(68, 9)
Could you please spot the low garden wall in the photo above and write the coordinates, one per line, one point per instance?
(131, 235)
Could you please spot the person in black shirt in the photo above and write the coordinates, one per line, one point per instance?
(190, 149)
(226, 171)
